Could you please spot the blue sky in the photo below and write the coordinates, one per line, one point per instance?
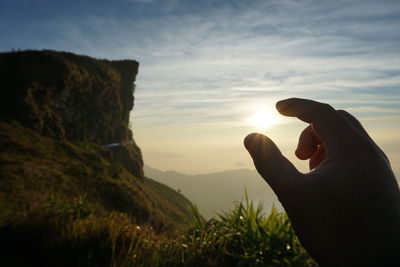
(205, 66)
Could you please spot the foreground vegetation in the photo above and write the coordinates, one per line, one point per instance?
(68, 234)
(35, 169)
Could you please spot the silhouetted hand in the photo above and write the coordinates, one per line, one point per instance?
(346, 210)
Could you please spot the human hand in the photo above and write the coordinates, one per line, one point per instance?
(346, 210)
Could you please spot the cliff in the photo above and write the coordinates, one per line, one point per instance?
(58, 111)
(70, 97)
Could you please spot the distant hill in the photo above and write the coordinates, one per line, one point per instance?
(58, 111)
(216, 192)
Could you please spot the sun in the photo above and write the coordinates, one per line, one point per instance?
(264, 117)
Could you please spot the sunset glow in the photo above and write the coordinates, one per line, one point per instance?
(263, 118)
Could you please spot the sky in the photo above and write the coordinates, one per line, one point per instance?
(209, 68)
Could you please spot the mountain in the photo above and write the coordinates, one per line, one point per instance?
(59, 111)
(68, 97)
(216, 192)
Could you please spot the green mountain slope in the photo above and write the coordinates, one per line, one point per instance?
(36, 170)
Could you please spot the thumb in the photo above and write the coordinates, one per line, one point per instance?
(276, 170)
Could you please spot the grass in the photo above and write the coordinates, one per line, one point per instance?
(35, 169)
(69, 234)
(66, 204)
(244, 236)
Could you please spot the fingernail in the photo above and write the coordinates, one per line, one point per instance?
(278, 104)
(256, 144)
(250, 142)
(281, 105)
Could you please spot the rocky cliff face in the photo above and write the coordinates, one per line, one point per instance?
(57, 113)
(70, 97)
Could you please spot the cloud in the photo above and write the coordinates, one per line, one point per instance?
(197, 66)
(201, 72)
(207, 62)
(143, 1)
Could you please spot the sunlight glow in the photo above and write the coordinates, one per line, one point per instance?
(264, 117)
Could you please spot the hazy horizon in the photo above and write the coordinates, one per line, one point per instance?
(217, 193)
(209, 69)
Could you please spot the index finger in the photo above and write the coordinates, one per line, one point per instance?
(326, 122)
